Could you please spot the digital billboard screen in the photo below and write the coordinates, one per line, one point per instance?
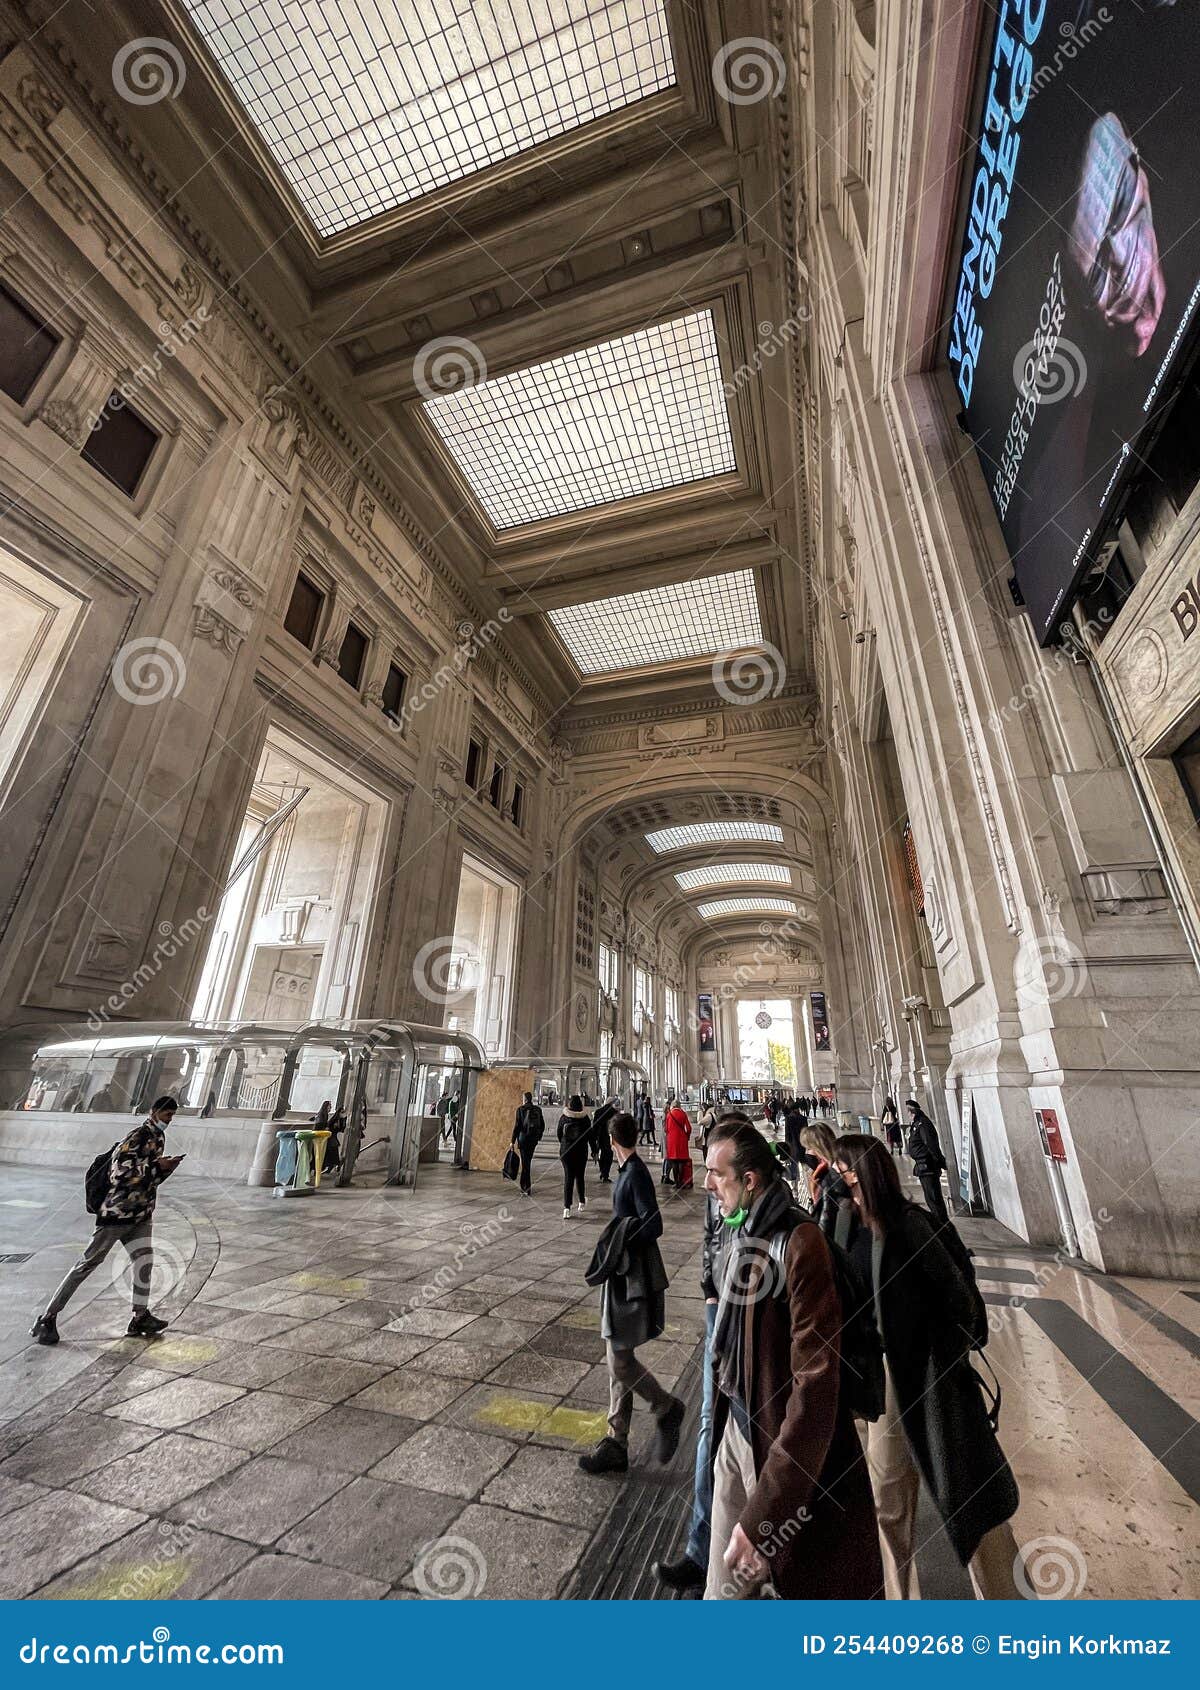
(1078, 274)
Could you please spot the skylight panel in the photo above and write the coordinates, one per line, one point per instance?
(722, 874)
(713, 833)
(747, 906)
(662, 624)
(633, 415)
(366, 105)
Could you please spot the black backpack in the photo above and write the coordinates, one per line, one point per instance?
(98, 1179)
(862, 1384)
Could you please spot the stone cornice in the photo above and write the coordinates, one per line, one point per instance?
(44, 44)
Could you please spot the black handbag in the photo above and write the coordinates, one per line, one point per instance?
(512, 1164)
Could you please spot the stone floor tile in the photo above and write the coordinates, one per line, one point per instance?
(570, 1342)
(497, 1555)
(163, 1473)
(251, 1367)
(160, 1561)
(446, 1459)
(550, 1484)
(345, 1439)
(53, 1532)
(410, 1392)
(288, 1578)
(315, 1337)
(179, 1353)
(177, 1404)
(576, 1424)
(257, 1328)
(261, 1500)
(372, 1527)
(330, 1379)
(15, 1493)
(370, 1313)
(499, 1412)
(528, 1370)
(464, 1361)
(389, 1349)
(257, 1420)
(494, 1332)
(310, 1305)
(533, 1310)
(429, 1323)
(77, 1444)
(127, 1382)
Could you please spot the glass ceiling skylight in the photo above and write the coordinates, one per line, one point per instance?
(368, 104)
(632, 415)
(662, 624)
(721, 874)
(713, 833)
(748, 906)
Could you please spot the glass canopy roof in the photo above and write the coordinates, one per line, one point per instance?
(713, 833)
(748, 906)
(368, 104)
(662, 624)
(632, 415)
(721, 874)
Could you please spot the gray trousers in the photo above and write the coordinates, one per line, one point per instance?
(139, 1247)
(626, 1374)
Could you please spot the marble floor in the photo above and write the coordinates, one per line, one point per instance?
(382, 1394)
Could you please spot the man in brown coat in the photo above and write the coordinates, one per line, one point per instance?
(792, 1502)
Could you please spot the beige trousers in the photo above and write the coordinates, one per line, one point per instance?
(626, 1375)
(733, 1480)
(896, 1485)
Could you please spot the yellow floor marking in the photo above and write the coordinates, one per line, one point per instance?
(141, 1582)
(587, 1319)
(525, 1414)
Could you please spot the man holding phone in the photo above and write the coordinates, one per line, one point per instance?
(125, 1217)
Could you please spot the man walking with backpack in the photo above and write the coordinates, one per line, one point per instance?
(125, 1216)
(792, 1504)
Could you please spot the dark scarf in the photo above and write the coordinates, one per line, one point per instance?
(746, 1264)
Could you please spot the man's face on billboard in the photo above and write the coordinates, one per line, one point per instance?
(1112, 243)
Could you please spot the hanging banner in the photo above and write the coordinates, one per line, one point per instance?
(820, 1020)
(966, 1135)
(1051, 1134)
(706, 1030)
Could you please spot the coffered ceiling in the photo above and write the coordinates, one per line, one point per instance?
(538, 266)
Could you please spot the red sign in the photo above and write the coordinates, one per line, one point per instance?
(1052, 1142)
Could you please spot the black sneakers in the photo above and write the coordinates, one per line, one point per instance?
(684, 1574)
(45, 1329)
(145, 1325)
(608, 1457)
(666, 1439)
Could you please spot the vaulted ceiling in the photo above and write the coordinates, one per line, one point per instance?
(539, 263)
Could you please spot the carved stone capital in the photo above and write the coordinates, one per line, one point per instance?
(65, 420)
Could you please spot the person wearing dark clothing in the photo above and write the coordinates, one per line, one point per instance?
(691, 1569)
(647, 1134)
(574, 1140)
(793, 1125)
(125, 1217)
(601, 1143)
(890, 1121)
(333, 1144)
(528, 1128)
(936, 1425)
(783, 1427)
(629, 1268)
(927, 1159)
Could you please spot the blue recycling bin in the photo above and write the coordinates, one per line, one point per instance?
(286, 1152)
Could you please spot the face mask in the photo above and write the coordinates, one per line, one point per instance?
(739, 1215)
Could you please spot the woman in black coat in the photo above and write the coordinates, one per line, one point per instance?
(574, 1141)
(528, 1128)
(935, 1421)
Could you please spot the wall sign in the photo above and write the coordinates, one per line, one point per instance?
(1051, 1134)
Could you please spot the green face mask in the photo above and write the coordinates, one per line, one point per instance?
(738, 1217)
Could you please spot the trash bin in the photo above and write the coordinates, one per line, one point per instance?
(320, 1138)
(304, 1158)
(285, 1156)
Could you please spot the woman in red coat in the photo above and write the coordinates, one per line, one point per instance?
(677, 1153)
